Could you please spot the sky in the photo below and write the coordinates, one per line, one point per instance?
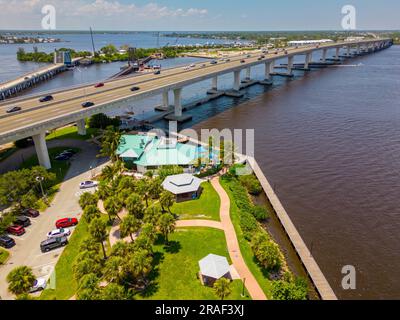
(199, 15)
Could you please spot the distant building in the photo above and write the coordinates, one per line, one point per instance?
(142, 152)
(308, 42)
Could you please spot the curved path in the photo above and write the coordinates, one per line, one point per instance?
(252, 285)
(199, 223)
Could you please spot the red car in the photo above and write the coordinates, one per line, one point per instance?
(66, 222)
(16, 230)
(99, 85)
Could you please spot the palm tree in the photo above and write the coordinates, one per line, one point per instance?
(166, 224)
(167, 200)
(104, 190)
(87, 199)
(135, 206)
(98, 231)
(20, 280)
(141, 265)
(143, 188)
(113, 269)
(113, 207)
(110, 143)
(155, 188)
(129, 225)
(91, 212)
(108, 173)
(222, 288)
(152, 214)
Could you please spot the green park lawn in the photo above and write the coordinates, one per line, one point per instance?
(4, 254)
(175, 274)
(247, 253)
(206, 207)
(71, 132)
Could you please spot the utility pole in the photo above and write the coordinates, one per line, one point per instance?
(91, 36)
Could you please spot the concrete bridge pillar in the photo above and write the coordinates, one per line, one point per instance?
(178, 102)
(165, 97)
(41, 150)
(248, 73)
(290, 65)
(81, 124)
(324, 53)
(236, 80)
(307, 60)
(348, 51)
(268, 70)
(214, 83)
(337, 53)
(358, 49)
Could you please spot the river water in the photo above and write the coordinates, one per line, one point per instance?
(329, 142)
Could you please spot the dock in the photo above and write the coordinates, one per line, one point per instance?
(317, 277)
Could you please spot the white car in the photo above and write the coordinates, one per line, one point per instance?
(192, 65)
(88, 184)
(38, 285)
(186, 68)
(58, 233)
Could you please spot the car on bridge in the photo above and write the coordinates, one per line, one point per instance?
(53, 243)
(157, 72)
(214, 62)
(46, 98)
(87, 104)
(13, 109)
(135, 89)
(99, 85)
(242, 61)
(66, 222)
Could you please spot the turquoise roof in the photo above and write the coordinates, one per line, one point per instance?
(137, 143)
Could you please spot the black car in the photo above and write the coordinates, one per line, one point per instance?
(53, 243)
(157, 72)
(13, 109)
(23, 221)
(72, 151)
(6, 241)
(135, 88)
(214, 62)
(46, 98)
(87, 104)
(32, 213)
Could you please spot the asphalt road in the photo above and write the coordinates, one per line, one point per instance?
(65, 204)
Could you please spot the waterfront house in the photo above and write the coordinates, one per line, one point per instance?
(184, 186)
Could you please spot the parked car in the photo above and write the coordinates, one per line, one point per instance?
(6, 241)
(99, 85)
(16, 230)
(70, 151)
(53, 243)
(22, 221)
(58, 233)
(157, 72)
(46, 98)
(66, 222)
(13, 109)
(32, 213)
(88, 184)
(66, 153)
(135, 88)
(87, 104)
(38, 285)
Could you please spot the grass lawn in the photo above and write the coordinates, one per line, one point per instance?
(4, 254)
(206, 207)
(60, 168)
(71, 132)
(66, 285)
(245, 248)
(175, 275)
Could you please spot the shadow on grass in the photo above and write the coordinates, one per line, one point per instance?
(173, 247)
(153, 287)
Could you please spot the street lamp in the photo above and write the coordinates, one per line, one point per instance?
(243, 283)
(40, 179)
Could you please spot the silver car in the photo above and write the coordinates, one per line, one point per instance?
(88, 184)
(58, 233)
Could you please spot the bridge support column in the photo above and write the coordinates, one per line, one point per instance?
(248, 73)
(324, 53)
(337, 53)
(348, 51)
(41, 150)
(268, 70)
(308, 60)
(178, 102)
(290, 65)
(81, 124)
(236, 80)
(165, 97)
(214, 83)
(358, 49)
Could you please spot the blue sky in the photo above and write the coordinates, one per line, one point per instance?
(200, 15)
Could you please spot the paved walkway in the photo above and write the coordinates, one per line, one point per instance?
(199, 223)
(252, 285)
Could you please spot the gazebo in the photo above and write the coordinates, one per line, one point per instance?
(212, 268)
(183, 186)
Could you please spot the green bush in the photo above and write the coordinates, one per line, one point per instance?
(102, 121)
(260, 213)
(290, 290)
(251, 183)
